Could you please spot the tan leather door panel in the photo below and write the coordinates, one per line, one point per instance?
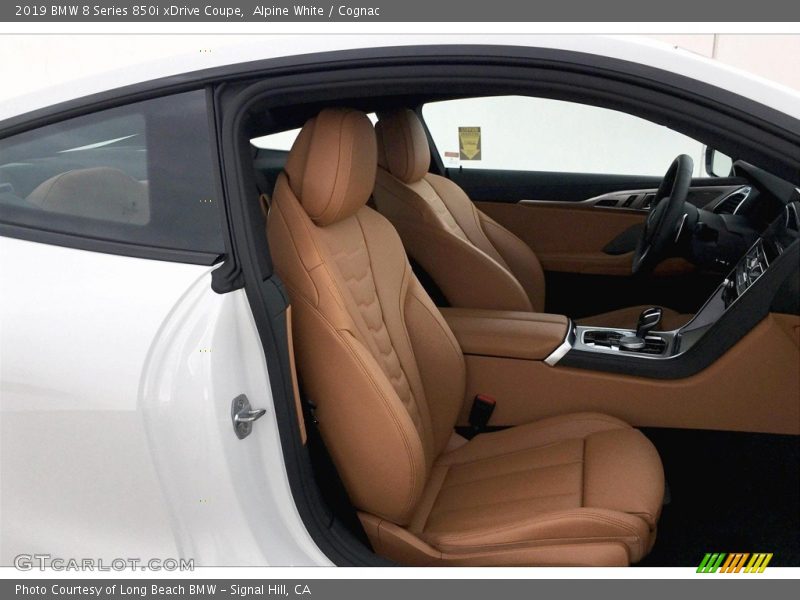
(570, 237)
(755, 386)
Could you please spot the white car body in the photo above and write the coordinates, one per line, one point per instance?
(639, 50)
(118, 399)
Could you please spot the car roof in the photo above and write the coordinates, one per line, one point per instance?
(242, 58)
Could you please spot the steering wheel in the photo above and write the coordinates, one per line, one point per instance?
(667, 215)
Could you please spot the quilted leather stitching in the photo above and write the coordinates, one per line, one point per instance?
(355, 268)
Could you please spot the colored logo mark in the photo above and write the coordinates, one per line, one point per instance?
(744, 562)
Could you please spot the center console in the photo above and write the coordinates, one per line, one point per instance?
(748, 289)
(764, 277)
(507, 334)
(538, 365)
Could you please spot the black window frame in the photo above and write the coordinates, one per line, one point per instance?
(48, 233)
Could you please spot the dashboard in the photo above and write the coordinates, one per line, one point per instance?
(752, 193)
(750, 290)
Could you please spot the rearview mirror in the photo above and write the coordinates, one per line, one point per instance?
(717, 163)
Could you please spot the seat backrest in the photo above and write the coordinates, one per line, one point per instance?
(97, 192)
(476, 262)
(373, 352)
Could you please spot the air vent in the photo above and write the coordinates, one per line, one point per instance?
(630, 200)
(607, 202)
(793, 216)
(729, 205)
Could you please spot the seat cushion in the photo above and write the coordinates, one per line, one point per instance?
(626, 318)
(584, 478)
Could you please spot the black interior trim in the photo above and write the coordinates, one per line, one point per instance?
(500, 185)
(740, 318)
(567, 293)
(228, 276)
(625, 241)
(66, 240)
(495, 185)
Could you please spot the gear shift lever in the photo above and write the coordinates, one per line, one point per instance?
(649, 318)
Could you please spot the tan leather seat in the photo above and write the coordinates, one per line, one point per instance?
(97, 192)
(476, 262)
(388, 378)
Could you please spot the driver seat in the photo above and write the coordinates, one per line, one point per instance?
(475, 261)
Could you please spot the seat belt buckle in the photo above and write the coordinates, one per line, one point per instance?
(312, 411)
(481, 412)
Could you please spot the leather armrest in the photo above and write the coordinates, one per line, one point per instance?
(510, 334)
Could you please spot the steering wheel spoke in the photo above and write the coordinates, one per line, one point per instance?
(666, 220)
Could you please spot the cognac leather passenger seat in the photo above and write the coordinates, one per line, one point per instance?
(388, 378)
(457, 244)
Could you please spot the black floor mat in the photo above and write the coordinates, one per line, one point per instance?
(730, 492)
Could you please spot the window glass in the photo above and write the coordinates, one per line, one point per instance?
(539, 134)
(139, 174)
(283, 140)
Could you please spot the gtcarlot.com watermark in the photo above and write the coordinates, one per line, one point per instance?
(42, 562)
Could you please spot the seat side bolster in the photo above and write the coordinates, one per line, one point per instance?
(465, 214)
(450, 244)
(623, 472)
(439, 360)
(402, 546)
(370, 435)
(582, 525)
(521, 260)
(294, 250)
(467, 276)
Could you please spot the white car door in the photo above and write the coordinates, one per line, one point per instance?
(119, 363)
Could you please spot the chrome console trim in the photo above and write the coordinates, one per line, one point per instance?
(667, 336)
(682, 339)
(744, 191)
(746, 274)
(565, 346)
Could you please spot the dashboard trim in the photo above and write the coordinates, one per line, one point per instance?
(564, 347)
(706, 336)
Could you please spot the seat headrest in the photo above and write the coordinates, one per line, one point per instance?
(402, 145)
(332, 164)
(97, 192)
